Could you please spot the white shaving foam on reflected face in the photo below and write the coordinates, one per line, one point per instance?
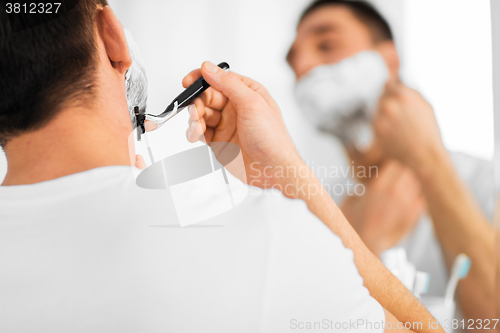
(341, 98)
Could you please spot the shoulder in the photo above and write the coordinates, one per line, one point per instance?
(291, 221)
(478, 175)
(311, 273)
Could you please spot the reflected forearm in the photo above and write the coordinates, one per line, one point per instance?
(382, 284)
(461, 228)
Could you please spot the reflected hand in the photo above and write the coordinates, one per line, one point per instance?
(405, 126)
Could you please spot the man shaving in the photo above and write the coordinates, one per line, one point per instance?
(348, 85)
(81, 247)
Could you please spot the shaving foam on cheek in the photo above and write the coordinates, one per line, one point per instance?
(136, 82)
(341, 98)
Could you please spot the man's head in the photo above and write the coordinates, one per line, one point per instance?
(76, 61)
(332, 30)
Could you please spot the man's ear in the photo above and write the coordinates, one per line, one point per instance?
(388, 51)
(113, 37)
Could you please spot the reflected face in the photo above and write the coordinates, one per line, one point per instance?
(326, 36)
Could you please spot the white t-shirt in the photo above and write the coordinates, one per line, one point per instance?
(92, 252)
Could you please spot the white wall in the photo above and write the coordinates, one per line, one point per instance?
(448, 57)
(445, 46)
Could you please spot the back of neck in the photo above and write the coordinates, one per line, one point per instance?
(72, 142)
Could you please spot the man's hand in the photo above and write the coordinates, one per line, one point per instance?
(239, 110)
(388, 210)
(406, 128)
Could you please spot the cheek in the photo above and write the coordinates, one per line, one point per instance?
(302, 57)
(304, 62)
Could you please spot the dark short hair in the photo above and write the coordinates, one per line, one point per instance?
(365, 12)
(46, 60)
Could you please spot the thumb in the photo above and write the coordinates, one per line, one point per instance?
(228, 83)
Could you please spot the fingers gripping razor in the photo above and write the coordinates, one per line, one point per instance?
(177, 105)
